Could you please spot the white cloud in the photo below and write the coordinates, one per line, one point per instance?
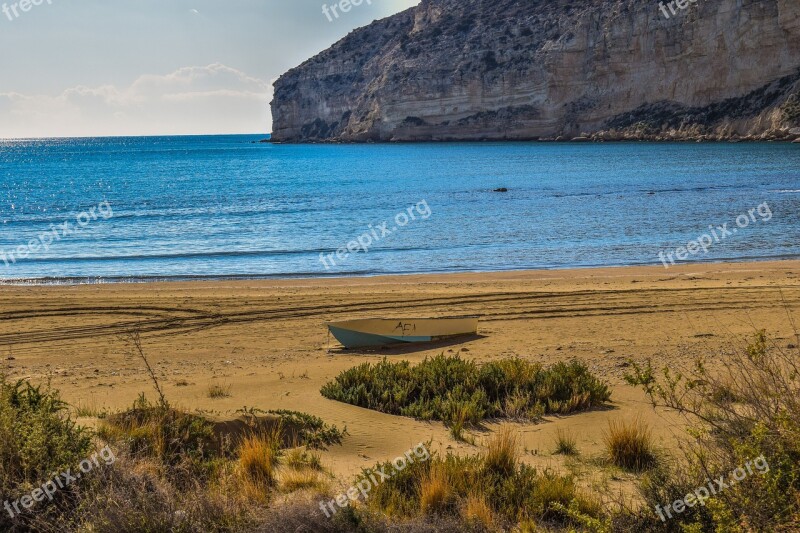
(192, 100)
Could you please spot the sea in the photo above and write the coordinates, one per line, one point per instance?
(97, 210)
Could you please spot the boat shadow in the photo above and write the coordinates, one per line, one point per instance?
(410, 348)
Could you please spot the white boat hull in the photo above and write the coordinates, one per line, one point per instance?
(374, 332)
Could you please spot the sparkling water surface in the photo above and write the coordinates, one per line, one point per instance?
(230, 207)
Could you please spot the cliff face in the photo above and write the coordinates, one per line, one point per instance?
(530, 69)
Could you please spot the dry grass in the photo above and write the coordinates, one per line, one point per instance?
(88, 409)
(133, 495)
(502, 451)
(477, 511)
(217, 391)
(258, 462)
(302, 470)
(492, 491)
(435, 491)
(294, 479)
(517, 406)
(301, 458)
(566, 443)
(630, 445)
(458, 422)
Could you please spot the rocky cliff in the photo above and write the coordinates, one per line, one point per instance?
(546, 69)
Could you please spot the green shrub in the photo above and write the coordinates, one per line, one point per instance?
(149, 430)
(745, 407)
(37, 439)
(311, 430)
(458, 391)
(188, 444)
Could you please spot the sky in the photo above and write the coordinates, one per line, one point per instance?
(74, 68)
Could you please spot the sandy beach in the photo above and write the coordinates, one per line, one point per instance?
(266, 340)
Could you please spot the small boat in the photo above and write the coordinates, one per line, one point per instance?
(373, 332)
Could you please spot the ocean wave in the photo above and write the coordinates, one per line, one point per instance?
(206, 255)
(100, 280)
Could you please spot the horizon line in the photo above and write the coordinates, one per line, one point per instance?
(2, 139)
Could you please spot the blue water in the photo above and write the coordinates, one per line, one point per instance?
(224, 206)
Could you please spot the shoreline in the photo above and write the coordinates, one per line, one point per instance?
(77, 281)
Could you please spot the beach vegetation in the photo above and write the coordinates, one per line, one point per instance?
(476, 511)
(301, 429)
(182, 471)
(566, 443)
(502, 452)
(217, 391)
(629, 445)
(460, 392)
(457, 423)
(258, 461)
(435, 492)
(493, 489)
(302, 470)
(300, 457)
(743, 411)
(89, 409)
(37, 438)
(293, 479)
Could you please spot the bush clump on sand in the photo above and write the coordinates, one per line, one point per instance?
(629, 445)
(173, 470)
(744, 413)
(157, 430)
(183, 472)
(37, 438)
(458, 391)
(310, 430)
(182, 442)
(566, 443)
(494, 487)
(258, 459)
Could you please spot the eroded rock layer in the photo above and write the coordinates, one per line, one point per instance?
(547, 69)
